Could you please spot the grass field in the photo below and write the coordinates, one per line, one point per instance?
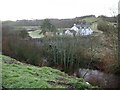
(35, 34)
(19, 75)
(90, 19)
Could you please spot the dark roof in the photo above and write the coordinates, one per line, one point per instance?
(72, 31)
(83, 25)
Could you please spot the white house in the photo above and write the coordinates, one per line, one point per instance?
(75, 28)
(82, 29)
(68, 32)
(86, 31)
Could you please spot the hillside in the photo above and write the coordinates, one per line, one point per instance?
(59, 23)
(20, 75)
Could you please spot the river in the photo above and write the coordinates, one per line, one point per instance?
(97, 78)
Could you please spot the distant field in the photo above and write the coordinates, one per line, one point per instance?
(90, 19)
(28, 27)
(35, 34)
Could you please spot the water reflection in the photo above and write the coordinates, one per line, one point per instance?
(98, 78)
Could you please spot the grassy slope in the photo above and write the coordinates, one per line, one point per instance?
(19, 75)
(90, 19)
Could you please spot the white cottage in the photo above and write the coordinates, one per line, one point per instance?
(86, 31)
(82, 29)
(75, 28)
(68, 32)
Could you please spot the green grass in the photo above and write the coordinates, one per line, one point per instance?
(94, 27)
(19, 75)
(35, 34)
(90, 19)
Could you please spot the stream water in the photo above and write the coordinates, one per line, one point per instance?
(97, 78)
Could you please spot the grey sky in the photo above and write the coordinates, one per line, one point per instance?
(40, 9)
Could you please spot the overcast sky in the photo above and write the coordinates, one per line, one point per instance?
(41, 9)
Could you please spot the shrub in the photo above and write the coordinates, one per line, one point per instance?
(23, 34)
(65, 53)
(106, 27)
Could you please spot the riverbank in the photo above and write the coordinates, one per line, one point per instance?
(98, 78)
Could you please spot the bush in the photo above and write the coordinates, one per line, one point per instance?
(23, 34)
(21, 49)
(106, 27)
(65, 53)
